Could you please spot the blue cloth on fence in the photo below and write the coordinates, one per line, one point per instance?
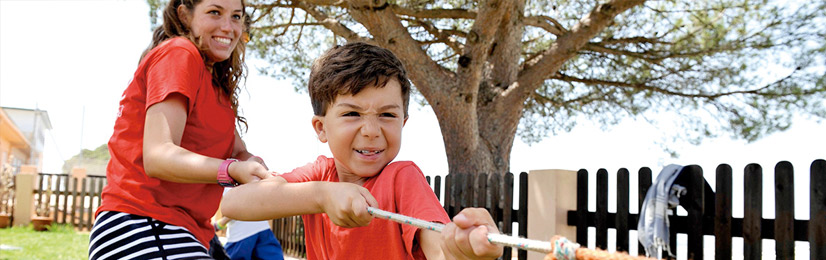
(652, 229)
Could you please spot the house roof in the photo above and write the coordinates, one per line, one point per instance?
(43, 114)
(10, 131)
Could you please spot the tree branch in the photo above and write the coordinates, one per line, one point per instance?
(434, 13)
(546, 23)
(388, 32)
(643, 86)
(566, 48)
(332, 24)
(443, 36)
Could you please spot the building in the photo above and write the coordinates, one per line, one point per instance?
(23, 136)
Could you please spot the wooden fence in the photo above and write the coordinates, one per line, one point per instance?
(710, 213)
(73, 200)
(493, 192)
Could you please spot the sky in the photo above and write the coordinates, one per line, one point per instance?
(75, 58)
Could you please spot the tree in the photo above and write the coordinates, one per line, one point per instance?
(494, 69)
(94, 161)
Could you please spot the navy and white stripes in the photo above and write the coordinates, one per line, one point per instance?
(118, 235)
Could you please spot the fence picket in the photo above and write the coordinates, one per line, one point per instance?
(507, 205)
(437, 186)
(817, 210)
(784, 210)
(522, 214)
(602, 209)
(644, 182)
(696, 195)
(480, 191)
(753, 212)
(448, 201)
(82, 204)
(722, 218)
(622, 210)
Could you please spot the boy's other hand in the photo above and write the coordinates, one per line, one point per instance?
(467, 236)
(248, 171)
(346, 204)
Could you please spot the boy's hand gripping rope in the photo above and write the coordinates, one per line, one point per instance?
(558, 248)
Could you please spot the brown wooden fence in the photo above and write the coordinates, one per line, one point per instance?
(73, 200)
(493, 192)
(710, 213)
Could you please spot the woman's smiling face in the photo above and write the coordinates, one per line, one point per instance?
(218, 24)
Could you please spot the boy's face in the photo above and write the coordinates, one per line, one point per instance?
(364, 131)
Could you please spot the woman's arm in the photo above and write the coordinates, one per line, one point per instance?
(164, 158)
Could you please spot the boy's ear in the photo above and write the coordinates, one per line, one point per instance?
(318, 126)
(405, 120)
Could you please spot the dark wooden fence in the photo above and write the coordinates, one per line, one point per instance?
(73, 201)
(494, 192)
(710, 213)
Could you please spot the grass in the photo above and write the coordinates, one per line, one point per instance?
(59, 242)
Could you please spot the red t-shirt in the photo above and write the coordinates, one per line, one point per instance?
(174, 66)
(400, 188)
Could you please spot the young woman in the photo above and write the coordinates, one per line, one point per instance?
(175, 138)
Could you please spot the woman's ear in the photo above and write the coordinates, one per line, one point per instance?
(183, 14)
(318, 126)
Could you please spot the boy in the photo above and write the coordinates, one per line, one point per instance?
(360, 94)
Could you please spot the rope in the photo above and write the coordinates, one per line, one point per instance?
(558, 248)
(499, 239)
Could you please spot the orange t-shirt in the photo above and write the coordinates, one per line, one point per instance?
(174, 66)
(400, 188)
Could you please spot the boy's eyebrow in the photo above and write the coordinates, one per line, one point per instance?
(353, 106)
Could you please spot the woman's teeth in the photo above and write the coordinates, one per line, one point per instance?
(223, 40)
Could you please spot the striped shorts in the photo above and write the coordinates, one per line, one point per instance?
(117, 235)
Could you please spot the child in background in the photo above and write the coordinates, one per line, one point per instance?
(360, 95)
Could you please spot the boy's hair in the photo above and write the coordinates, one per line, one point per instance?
(226, 75)
(350, 68)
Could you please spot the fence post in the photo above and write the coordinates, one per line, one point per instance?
(78, 174)
(551, 194)
(24, 195)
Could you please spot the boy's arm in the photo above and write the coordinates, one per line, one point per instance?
(430, 242)
(345, 203)
(464, 238)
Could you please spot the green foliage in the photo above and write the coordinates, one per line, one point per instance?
(59, 242)
(93, 160)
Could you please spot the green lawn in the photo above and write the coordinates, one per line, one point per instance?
(60, 242)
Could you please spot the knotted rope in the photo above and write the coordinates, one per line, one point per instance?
(558, 248)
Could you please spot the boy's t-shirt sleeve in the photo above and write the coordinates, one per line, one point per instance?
(415, 198)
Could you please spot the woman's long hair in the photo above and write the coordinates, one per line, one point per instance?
(226, 75)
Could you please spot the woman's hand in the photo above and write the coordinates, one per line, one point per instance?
(248, 171)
